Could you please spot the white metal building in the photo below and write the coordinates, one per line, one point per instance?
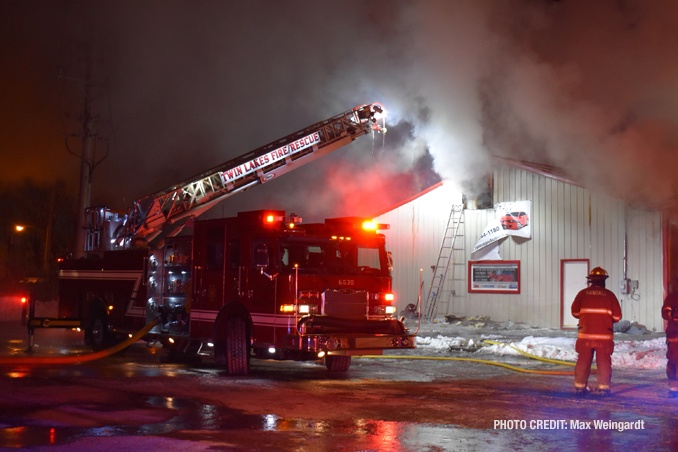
(573, 230)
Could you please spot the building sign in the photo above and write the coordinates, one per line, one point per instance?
(510, 218)
(270, 157)
(494, 277)
(514, 218)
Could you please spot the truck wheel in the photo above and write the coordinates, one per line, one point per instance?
(237, 350)
(100, 337)
(337, 363)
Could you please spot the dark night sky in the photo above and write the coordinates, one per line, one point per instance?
(589, 86)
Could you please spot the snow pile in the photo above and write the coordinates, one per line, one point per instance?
(640, 354)
(442, 342)
(649, 354)
(560, 348)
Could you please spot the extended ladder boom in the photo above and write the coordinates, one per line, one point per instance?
(164, 213)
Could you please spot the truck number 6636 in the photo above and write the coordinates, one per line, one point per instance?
(346, 282)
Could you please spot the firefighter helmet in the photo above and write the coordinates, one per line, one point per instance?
(598, 273)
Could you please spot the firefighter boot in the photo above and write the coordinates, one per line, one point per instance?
(581, 391)
(603, 391)
(673, 388)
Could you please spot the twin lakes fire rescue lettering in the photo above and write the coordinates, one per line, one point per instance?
(280, 153)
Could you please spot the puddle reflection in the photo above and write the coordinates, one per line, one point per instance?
(364, 434)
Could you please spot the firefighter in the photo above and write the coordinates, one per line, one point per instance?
(597, 310)
(670, 313)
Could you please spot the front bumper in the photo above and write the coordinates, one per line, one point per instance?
(349, 344)
(346, 336)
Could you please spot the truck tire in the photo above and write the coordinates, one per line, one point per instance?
(237, 347)
(337, 363)
(100, 337)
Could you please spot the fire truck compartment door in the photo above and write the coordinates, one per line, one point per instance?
(209, 261)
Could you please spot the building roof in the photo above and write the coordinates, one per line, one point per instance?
(550, 171)
(411, 198)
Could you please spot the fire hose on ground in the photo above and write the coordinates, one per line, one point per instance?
(139, 334)
(79, 358)
(555, 361)
(492, 363)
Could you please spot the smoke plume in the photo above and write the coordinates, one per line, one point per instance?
(586, 86)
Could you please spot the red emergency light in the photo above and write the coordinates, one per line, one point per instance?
(389, 296)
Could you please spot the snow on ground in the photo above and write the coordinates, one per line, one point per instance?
(647, 353)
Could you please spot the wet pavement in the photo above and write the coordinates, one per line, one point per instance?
(139, 401)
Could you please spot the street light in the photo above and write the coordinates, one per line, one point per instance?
(48, 244)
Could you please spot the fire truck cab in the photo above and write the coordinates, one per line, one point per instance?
(263, 285)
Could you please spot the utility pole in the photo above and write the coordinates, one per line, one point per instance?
(87, 134)
(86, 159)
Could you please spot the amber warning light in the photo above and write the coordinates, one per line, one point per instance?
(372, 226)
(290, 221)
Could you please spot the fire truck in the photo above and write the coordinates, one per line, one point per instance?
(261, 284)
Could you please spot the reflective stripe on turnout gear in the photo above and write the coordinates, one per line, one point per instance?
(595, 336)
(595, 311)
(672, 339)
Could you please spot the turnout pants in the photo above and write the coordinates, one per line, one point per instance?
(672, 364)
(603, 351)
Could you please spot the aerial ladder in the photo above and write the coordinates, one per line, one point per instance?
(164, 214)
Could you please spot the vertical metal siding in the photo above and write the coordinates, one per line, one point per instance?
(568, 222)
(414, 239)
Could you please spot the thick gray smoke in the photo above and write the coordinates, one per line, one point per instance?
(588, 86)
